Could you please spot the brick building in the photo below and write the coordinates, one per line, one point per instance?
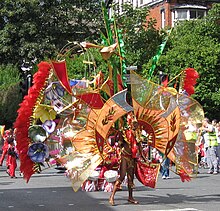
(168, 12)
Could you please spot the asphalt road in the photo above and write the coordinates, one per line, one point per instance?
(52, 191)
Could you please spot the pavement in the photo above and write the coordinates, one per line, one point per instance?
(51, 190)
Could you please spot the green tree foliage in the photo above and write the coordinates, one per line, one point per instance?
(82, 63)
(9, 75)
(197, 44)
(140, 37)
(10, 95)
(140, 44)
(34, 29)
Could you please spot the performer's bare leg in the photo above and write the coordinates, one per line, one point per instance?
(123, 168)
(131, 187)
(111, 199)
(130, 195)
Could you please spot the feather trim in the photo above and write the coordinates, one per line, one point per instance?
(23, 121)
(191, 75)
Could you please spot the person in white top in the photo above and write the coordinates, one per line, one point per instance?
(210, 145)
(191, 135)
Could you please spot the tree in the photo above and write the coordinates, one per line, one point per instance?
(31, 30)
(197, 44)
(10, 95)
(35, 30)
(141, 38)
(141, 42)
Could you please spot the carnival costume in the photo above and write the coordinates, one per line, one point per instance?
(11, 160)
(6, 137)
(129, 155)
(69, 121)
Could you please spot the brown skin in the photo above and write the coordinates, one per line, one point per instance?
(127, 166)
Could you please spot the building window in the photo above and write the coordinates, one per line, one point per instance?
(181, 14)
(201, 13)
(142, 3)
(192, 14)
(163, 18)
(187, 14)
(196, 14)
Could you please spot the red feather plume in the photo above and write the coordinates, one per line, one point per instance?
(22, 122)
(190, 77)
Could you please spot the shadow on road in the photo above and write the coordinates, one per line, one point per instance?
(175, 199)
(170, 199)
(50, 199)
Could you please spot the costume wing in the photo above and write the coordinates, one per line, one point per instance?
(67, 125)
(163, 114)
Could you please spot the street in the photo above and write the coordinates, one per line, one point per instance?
(51, 190)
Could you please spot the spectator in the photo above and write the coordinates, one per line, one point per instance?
(165, 168)
(191, 136)
(211, 144)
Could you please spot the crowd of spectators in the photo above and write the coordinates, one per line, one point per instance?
(209, 145)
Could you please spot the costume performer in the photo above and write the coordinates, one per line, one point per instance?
(161, 113)
(11, 160)
(7, 134)
(129, 154)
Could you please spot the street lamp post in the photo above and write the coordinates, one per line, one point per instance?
(26, 82)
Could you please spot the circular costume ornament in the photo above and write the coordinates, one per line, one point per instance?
(38, 152)
(49, 126)
(94, 176)
(37, 133)
(60, 90)
(111, 175)
(54, 91)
